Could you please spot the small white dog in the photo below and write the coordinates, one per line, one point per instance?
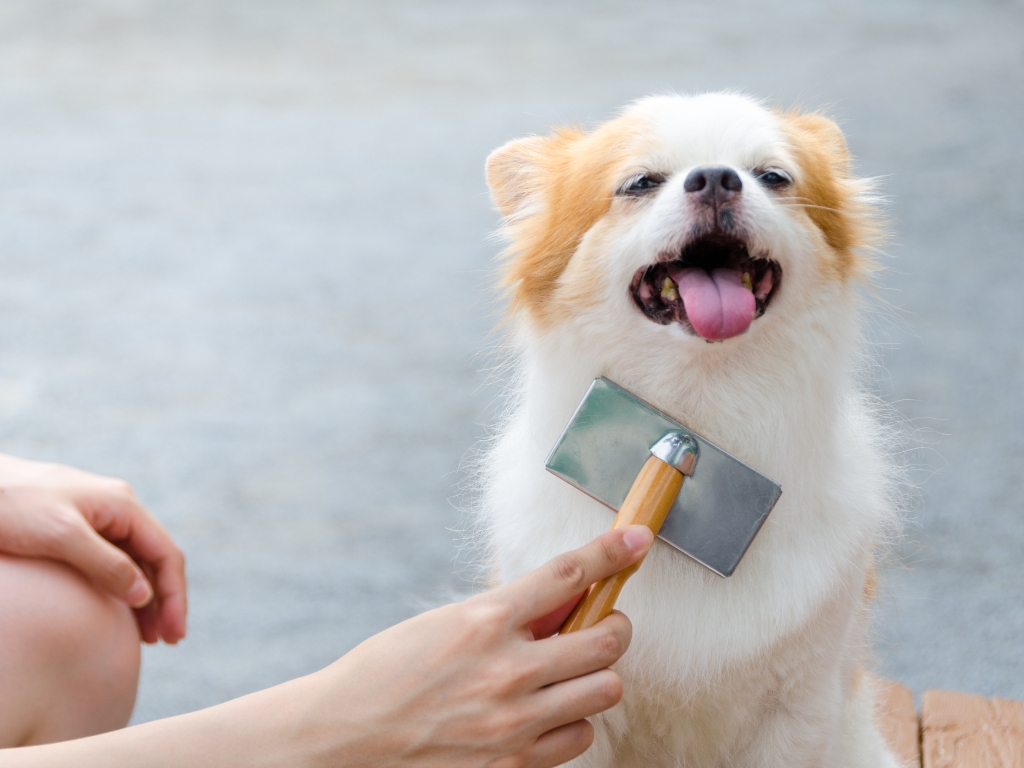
(688, 220)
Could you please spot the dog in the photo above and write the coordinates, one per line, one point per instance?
(705, 253)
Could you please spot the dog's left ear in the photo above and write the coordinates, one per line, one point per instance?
(838, 203)
(823, 139)
(515, 171)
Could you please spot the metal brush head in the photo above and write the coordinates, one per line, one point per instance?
(722, 504)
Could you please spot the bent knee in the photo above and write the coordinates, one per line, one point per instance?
(70, 654)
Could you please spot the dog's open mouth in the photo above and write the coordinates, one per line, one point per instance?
(714, 288)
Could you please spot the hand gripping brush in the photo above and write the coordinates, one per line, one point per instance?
(634, 459)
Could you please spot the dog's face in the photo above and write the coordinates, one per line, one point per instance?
(684, 220)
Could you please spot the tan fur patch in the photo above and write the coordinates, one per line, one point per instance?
(570, 178)
(857, 679)
(870, 585)
(832, 198)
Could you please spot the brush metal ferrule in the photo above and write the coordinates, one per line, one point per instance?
(678, 450)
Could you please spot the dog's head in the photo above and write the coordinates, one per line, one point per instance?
(684, 220)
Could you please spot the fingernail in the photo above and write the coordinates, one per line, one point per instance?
(638, 538)
(140, 594)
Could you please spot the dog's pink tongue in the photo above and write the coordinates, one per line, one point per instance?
(717, 304)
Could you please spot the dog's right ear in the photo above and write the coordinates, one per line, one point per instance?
(551, 190)
(515, 173)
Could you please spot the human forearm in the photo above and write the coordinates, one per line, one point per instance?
(255, 730)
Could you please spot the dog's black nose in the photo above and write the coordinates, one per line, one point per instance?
(713, 184)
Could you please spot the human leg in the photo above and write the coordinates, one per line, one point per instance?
(69, 655)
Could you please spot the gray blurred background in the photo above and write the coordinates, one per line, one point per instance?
(243, 255)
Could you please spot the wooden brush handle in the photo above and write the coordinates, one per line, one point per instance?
(649, 500)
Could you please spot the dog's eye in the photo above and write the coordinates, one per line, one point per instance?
(641, 184)
(774, 178)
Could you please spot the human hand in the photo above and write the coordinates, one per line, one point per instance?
(469, 684)
(98, 526)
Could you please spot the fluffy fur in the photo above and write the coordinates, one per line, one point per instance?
(759, 669)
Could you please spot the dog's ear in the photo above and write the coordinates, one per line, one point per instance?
(841, 205)
(822, 138)
(551, 190)
(515, 173)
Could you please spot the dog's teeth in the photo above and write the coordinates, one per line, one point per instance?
(764, 286)
(746, 281)
(668, 290)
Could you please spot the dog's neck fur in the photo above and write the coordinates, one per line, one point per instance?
(773, 401)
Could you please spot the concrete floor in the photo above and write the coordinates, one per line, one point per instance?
(244, 258)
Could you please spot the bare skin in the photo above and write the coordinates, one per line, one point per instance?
(69, 654)
(85, 572)
(478, 683)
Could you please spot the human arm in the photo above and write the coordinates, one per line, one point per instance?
(98, 526)
(463, 686)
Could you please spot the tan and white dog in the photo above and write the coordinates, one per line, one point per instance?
(686, 221)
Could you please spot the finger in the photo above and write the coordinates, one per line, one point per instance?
(120, 516)
(543, 590)
(173, 622)
(171, 618)
(560, 745)
(586, 651)
(152, 625)
(108, 567)
(148, 620)
(546, 626)
(575, 699)
(148, 617)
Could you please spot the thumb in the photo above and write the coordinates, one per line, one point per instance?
(550, 587)
(106, 566)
